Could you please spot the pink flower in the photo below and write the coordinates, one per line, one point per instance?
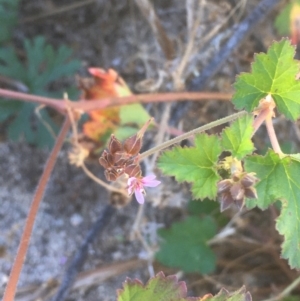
(136, 186)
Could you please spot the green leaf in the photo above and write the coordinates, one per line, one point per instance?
(44, 66)
(134, 113)
(196, 165)
(185, 245)
(8, 108)
(224, 295)
(279, 180)
(203, 207)
(161, 288)
(207, 207)
(124, 132)
(157, 288)
(283, 20)
(8, 18)
(237, 137)
(273, 73)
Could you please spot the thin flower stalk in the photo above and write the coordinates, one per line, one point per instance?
(191, 133)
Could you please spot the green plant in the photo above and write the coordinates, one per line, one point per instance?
(185, 245)
(42, 67)
(8, 18)
(169, 289)
(221, 167)
(244, 177)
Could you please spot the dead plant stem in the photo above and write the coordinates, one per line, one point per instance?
(11, 287)
(286, 291)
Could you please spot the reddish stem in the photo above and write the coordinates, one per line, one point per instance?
(272, 135)
(261, 117)
(88, 105)
(11, 287)
(56, 104)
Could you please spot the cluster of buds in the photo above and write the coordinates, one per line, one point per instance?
(234, 190)
(122, 158)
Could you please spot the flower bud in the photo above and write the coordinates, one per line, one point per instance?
(224, 185)
(107, 159)
(249, 180)
(226, 200)
(111, 174)
(114, 145)
(103, 160)
(251, 193)
(133, 170)
(133, 145)
(237, 191)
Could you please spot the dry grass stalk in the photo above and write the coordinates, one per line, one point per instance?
(149, 13)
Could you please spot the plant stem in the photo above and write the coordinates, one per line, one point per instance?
(190, 133)
(261, 117)
(102, 183)
(56, 104)
(286, 291)
(11, 287)
(87, 105)
(272, 135)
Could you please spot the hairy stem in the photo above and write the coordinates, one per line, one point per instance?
(11, 287)
(190, 133)
(272, 135)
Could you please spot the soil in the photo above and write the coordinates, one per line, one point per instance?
(116, 34)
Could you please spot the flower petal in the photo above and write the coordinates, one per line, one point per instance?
(150, 182)
(149, 178)
(139, 196)
(153, 183)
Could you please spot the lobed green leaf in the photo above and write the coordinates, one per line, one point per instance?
(44, 66)
(279, 180)
(160, 288)
(196, 165)
(272, 73)
(185, 246)
(237, 137)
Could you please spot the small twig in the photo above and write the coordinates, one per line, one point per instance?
(162, 130)
(102, 183)
(57, 11)
(192, 132)
(10, 290)
(80, 255)
(240, 32)
(188, 50)
(216, 28)
(149, 13)
(286, 291)
(45, 123)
